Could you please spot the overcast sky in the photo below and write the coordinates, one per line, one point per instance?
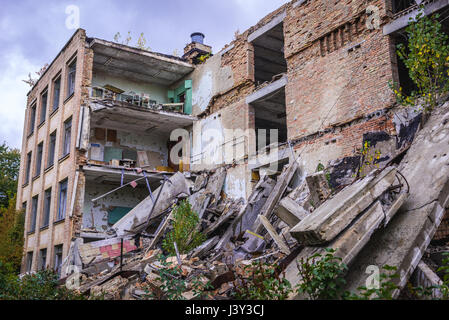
(33, 32)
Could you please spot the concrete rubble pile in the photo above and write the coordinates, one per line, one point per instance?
(388, 217)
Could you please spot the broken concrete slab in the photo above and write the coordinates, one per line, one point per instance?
(248, 213)
(205, 247)
(347, 245)
(274, 235)
(216, 182)
(290, 212)
(319, 188)
(402, 243)
(276, 194)
(336, 214)
(137, 218)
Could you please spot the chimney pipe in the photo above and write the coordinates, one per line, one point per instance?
(198, 37)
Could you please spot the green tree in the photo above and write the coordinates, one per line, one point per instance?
(9, 172)
(426, 57)
(184, 230)
(11, 235)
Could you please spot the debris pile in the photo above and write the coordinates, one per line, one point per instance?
(286, 218)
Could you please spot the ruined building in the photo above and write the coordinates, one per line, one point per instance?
(310, 78)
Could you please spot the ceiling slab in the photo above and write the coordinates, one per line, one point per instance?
(137, 64)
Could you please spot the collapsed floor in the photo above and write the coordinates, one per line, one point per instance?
(385, 211)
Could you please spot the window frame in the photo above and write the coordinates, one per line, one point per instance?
(33, 217)
(42, 258)
(47, 209)
(28, 167)
(29, 261)
(39, 156)
(66, 146)
(32, 123)
(56, 99)
(63, 186)
(43, 108)
(71, 77)
(57, 262)
(51, 149)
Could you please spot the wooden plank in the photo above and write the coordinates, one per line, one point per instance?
(277, 239)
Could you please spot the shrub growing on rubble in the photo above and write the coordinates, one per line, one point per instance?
(426, 57)
(184, 231)
(261, 281)
(322, 276)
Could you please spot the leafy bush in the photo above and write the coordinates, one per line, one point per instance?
(322, 276)
(426, 57)
(261, 281)
(42, 285)
(184, 230)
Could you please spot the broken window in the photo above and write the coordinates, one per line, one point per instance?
(42, 259)
(44, 98)
(29, 261)
(67, 137)
(269, 59)
(28, 168)
(40, 148)
(47, 204)
(62, 205)
(34, 202)
(58, 259)
(56, 93)
(51, 150)
(71, 78)
(32, 118)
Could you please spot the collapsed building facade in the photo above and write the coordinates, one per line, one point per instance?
(307, 85)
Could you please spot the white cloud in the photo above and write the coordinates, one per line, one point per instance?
(13, 97)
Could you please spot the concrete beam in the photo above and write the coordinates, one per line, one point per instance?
(265, 91)
(331, 218)
(270, 25)
(403, 21)
(403, 242)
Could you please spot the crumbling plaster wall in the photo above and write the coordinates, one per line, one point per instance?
(155, 145)
(95, 215)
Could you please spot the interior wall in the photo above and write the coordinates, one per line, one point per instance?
(95, 215)
(155, 145)
(157, 92)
